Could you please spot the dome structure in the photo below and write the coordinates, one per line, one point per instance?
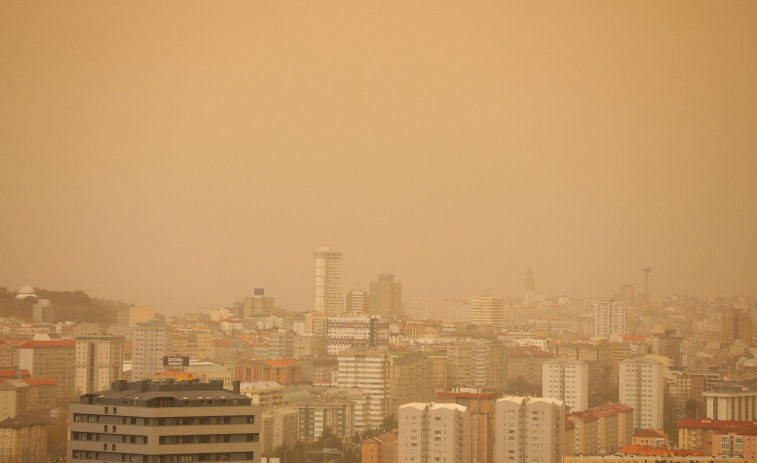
(26, 291)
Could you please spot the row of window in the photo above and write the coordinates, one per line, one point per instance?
(173, 421)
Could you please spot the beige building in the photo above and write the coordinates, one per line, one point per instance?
(153, 422)
(99, 362)
(51, 359)
(487, 311)
(438, 369)
(327, 281)
(410, 379)
(129, 317)
(586, 432)
(386, 296)
(433, 432)
(379, 449)
(151, 342)
(368, 370)
(267, 394)
(641, 387)
(23, 439)
(567, 380)
(736, 406)
(315, 417)
(529, 430)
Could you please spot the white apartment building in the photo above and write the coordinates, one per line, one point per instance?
(641, 385)
(609, 318)
(346, 332)
(529, 430)
(368, 370)
(432, 432)
(487, 310)
(327, 281)
(567, 380)
(99, 361)
(151, 342)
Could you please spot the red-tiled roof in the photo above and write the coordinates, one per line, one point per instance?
(12, 373)
(648, 450)
(715, 424)
(50, 343)
(283, 362)
(585, 415)
(40, 382)
(650, 433)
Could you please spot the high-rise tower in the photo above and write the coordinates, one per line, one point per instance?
(386, 296)
(327, 281)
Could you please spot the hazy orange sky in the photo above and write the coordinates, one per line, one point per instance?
(179, 154)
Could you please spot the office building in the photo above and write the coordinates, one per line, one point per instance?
(327, 281)
(487, 311)
(368, 370)
(433, 432)
(151, 342)
(164, 423)
(99, 362)
(529, 429)
(609, 318)
(386, 296)
(567, 380)
(641, 386)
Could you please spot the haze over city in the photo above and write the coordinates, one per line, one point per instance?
(180, 155)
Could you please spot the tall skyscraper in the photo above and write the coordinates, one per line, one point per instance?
(567, 380)
(386, 296)
(433, 432)
(641, 384)
(609, 318)
(99, 362)
(529, 429)
(327, 281)
(487, 311)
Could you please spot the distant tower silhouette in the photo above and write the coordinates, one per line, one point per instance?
(646, 271)
(529, 285)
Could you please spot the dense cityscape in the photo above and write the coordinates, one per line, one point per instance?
(422, 231)
(368, 377)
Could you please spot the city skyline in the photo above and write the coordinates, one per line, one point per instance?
(180, 157)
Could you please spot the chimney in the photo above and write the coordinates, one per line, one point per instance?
(237, 386)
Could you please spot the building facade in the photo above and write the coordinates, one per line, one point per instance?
(487, 310)
(432, 432)
(609, 318)
(386, 296)
(567, 380)
(641, 388)
(529, 429)
(327, 281)
(164, 423)
(99, 362)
